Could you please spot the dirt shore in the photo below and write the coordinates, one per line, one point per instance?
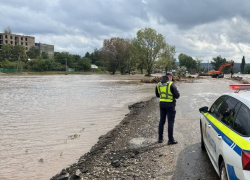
(129, 151)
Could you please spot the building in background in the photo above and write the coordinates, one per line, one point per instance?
(45, 48)
(14, 39)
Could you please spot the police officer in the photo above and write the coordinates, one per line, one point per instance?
(228, 116)
(168, 93)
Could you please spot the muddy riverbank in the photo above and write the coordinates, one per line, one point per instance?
(126, 152)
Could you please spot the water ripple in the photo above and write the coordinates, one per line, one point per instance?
(38, 114)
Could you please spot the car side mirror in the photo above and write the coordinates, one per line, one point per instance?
(204, 109)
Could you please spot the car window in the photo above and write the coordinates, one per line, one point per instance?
(241, 123)
(214, 110)
(228, 111)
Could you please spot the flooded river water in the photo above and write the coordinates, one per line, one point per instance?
(48, 122)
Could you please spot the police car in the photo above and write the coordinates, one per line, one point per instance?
(225, 133)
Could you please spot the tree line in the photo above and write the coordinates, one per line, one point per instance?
(15, 57)
(148, 51)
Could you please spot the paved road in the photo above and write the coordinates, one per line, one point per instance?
(192, 162)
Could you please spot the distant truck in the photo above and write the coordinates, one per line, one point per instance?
(218, 73)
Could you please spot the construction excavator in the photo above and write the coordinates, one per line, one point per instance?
(218, 73)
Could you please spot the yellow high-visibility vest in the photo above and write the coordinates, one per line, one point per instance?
(164, 91)
(229, 119)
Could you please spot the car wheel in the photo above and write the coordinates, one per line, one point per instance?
(223, 171)
(202, 141)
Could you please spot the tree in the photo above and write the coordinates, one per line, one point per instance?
(180, 70)
(187, 61)
(217, 62)
(114, 53)
(44, 65)
(125, 61)
(8, 64)
(77, 57)
(19, 55)
(167, 60)
(95, 56)
(136, 55)
(33, 53)
(198, 63)
(74, 63)
(61, 57)
(13, 53)
(242, 65)
(6, 52)
(45, 55)
(84, 64)
(87, 55)
(149, 44)
(71, 60)
(19, 51)
(247, 70)
(7, 30)
(131, 60)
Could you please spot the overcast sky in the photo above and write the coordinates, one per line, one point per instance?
(198, 28)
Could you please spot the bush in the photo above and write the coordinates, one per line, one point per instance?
(44, 65)
(84, 64)
(247, 70)
(181, 70)
(99, 63)
(8, 65)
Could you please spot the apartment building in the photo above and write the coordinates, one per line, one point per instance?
(14, 39)
(45, 48)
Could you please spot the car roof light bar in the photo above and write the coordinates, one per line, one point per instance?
(239, 87)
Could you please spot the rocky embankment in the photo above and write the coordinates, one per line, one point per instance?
(126, 152)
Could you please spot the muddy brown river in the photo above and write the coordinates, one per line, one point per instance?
(48, 122)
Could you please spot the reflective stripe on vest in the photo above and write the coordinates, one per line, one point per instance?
(164, 91)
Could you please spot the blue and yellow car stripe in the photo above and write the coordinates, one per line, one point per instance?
(235, 141)
(231, 173)
(230, 138)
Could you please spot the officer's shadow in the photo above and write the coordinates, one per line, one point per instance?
(194, 163)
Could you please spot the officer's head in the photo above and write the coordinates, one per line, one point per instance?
(170, 76)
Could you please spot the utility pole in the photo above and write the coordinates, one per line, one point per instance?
(18, 63)
(21, 66)
(66, 66)
(207, 66)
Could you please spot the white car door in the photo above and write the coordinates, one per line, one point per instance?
(213, 134)
(220, 126)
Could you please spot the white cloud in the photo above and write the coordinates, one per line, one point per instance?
(198, 29)
(74, 44)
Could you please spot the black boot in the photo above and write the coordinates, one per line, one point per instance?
(160, 140)
(172, 142)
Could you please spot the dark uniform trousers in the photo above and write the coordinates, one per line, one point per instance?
(170, 113)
